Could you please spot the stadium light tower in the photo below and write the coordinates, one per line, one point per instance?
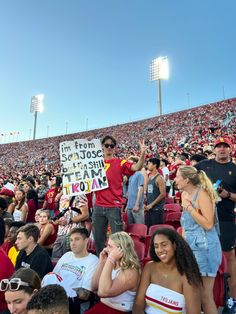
(36, 106)
(159, 70)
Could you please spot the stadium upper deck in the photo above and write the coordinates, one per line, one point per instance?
(190, 128)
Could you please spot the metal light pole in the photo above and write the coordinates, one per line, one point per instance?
(188, 100)
(159, 69)
(66, 127)
(36, 106)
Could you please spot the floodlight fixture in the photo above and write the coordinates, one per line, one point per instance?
(159, 70)
(36, 106)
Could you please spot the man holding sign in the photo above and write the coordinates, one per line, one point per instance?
(108, 204)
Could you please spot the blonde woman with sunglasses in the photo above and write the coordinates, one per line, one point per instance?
(19, 289)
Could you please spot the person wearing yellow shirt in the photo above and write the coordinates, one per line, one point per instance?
(13, 252)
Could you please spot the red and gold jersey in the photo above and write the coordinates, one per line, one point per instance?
(112, 196)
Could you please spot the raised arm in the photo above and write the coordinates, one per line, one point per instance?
(126, 279)
(139, 164)
(98, 271)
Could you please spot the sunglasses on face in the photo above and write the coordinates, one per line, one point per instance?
(109, 145)
(12, 285)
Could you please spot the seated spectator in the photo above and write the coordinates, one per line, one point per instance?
(50, 200)
(48, 231)
(14, 251)
(19, 289)
(31, 180)
(7, 192)
(49, 300)
(74, 271)
(32, 255)
(32, 202)
(41, 190)
(117, 276)
(36, 217)
(194, 159)
(69, 219)
(6, 269)
(19, 208)
(171, 281)
(3, 209)
(6, 244)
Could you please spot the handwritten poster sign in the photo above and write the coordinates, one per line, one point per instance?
(82, 166)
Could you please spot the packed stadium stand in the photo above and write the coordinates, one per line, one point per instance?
(184, 130)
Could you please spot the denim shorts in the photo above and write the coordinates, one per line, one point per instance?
(207, 251)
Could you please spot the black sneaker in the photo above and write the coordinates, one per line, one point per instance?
(230, 307)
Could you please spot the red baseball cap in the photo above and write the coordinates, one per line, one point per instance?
(222, 140)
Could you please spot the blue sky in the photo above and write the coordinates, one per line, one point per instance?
(90, 58)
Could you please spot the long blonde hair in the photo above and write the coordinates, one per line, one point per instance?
(199, 178)
(125, 242)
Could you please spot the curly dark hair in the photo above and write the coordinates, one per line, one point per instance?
(49, 299)
(185, 259)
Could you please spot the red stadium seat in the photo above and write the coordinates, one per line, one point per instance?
(125, 220)
(137, 229)
(91, 246)
(169, 208)
(147, 245)
(173, 219)
(169, 200)
(136, 237)
(154, 227)
(140, 250)
(220, 285)
(172, 207)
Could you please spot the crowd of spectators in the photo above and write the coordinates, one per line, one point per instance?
(188, 130)
(32, 170)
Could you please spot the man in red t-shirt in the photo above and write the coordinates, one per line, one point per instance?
(108, 202)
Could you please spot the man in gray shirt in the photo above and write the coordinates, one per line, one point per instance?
(134, 208)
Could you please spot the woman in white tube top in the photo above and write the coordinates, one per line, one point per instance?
(117, 276)
(19, 208)
(171, 282)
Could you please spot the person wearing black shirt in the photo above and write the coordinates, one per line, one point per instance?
(222, 168)
(31, 254)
